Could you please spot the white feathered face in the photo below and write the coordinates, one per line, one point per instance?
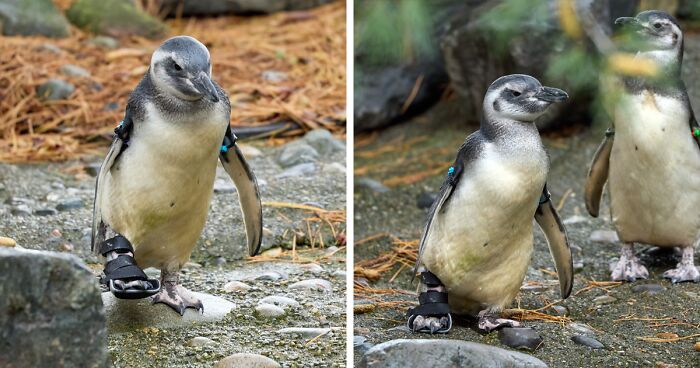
(653, 31)
(181, 67)
(520, 97)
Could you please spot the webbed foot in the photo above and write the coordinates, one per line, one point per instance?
(685, 270)
(628, 268)
(489, 321)
(176, 296)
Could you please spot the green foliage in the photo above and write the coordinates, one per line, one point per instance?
(391, 31)
(504, 21)
(577, 66)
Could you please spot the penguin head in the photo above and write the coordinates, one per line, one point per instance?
(519, 97)
(181, 68)
(653, 31)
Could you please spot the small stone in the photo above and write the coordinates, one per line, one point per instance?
(247, 360)
(587, 341)
(604, 236)
(93, 169)
(269, 311)
(323, 141)
(249, 151)
(305, 332)
(295, 153)
(271, 276)
(363, 308)
(223, 185)
(274, 76)
(297, 170)
(580, 328)
(372, 185)
(561, 310)
(604, 299)
(69, 204)
(361, 344)
(524, 338)
(21, 210)
(47, 47)
(313, 284)
(236, 287)
(105, 41)
(110, 106)
(578, 267)
(272, 253)
(7, 242)
(45, 212)
(280, 301)
(335, 168)
(331, 250)
(339, 274)
(54, 89)
(73, 71)
(576, 219)
(312, 268)
(648, 289)
(425, 200)
(200, 341)
(697, 346)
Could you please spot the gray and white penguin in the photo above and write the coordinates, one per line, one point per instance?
(478, 239)
(650, 159)
(156, 182)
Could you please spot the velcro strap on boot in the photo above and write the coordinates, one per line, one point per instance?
(429, 279)
(118, 243)
(432, 303)
(123, 267)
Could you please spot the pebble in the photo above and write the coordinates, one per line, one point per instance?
(110, 106)
(524, 338)
(105, 41)
(200, 341)
(236, 287)
(576, 219)
(21, 210)
(323, 141)
(339, 274)
(372, 185)
(74, 71)
(280, 301)
(361, 344)
(587, 341)
(54, 89)
(49, 48)
(580, 328)
(335, 168)
(274, 76)
(578, 267)
(272, 253)
(604, 236)
(297, 170)
(561, 310)
(697, 346)
(69, 204)
(223, 185)
(313, 284)
(249, 151)
(648, 289)
(247, 360)
(269, 311)
(425, 200)
(271, 276)
(604, 299)
(7, 242)
(93, 169)
(295, 153)
(45, 212)
(307, 332)
(312, 268)
(363, 308)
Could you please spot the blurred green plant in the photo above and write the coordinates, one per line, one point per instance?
(388, 32)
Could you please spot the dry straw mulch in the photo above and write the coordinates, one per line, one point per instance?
(307, 47)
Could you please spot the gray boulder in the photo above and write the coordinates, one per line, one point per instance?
(32, 17)
(114, 18)
(444, 353)
(51, 313)
(218, 7)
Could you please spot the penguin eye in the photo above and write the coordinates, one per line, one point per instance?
(658, 25)
(515, 93)
(177, 66)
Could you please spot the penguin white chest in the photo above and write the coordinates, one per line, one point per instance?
(158, 193)
(482, 242)
(654, 178)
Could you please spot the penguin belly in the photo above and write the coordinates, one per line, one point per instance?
(482, 242)
(158, 193)
(654, 178)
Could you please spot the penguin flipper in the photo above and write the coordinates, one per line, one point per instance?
(99, 228)
(247, 187)
(548, 219)
(598, 174)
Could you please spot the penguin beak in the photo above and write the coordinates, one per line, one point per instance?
(628, 22)
(550, 94)
(204, 85)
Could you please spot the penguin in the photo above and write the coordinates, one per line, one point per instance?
(156, 182)
(650, 158)
(478, 238)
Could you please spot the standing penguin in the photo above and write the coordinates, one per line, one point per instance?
(651, 160)
(478, 239)
(155, 184)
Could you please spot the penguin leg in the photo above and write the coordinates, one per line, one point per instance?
(433, 314)
(628, 268)
(122, 276)
(685, 270)
(175, 295)
(490, 319)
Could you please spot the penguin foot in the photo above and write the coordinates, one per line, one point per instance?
(489, 322)
(682, 273)
(122, 276)
(430, 324)
(628, 268)
(178, 298)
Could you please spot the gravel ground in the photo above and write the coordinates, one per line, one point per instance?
(395, 211)
(49, 207)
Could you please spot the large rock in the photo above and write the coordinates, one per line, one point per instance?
(444, 353)
(218, 7)
(51, 314)
(114, 18)
(32, 17)
(130, 315)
